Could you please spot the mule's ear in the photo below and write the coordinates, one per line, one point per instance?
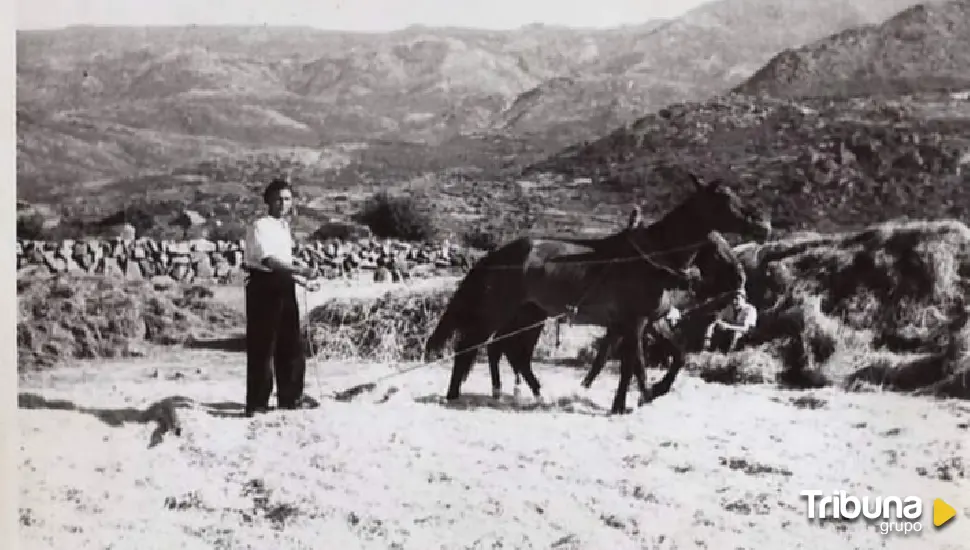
(698, 182)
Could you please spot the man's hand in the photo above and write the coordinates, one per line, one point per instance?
(306, 272)
(312, 285)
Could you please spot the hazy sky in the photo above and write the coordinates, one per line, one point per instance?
(363, 15)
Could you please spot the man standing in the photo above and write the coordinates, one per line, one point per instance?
(733, 321)
(273, 336)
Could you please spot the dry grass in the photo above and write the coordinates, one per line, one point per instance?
(101, 317)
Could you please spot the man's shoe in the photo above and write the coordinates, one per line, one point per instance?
(304, 402)
(251, 411)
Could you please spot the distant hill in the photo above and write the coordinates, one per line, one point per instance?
(706, 51)
(98, 103)
(818, 157)
(815, 164)
(926, 46)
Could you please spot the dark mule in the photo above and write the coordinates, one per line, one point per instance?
(611, 282)
(721, 272)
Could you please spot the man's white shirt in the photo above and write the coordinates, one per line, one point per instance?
(268, 236)
(745, 316)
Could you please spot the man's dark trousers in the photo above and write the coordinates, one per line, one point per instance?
(273, 339)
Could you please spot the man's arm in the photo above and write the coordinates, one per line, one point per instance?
(748, 319)
(293, 270)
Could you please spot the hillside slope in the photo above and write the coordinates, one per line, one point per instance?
(706, 51)
(813, 164)
(926, 45)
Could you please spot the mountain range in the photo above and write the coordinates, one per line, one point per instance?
(101, 102)
(103, 108)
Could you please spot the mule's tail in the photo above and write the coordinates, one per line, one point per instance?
(473, 291)
(445, 328)
(451, 319)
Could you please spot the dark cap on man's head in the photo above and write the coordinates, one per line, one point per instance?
(275, 186)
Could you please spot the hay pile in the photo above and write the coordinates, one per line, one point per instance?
(394, 327)
(97, 317)
(885, 306)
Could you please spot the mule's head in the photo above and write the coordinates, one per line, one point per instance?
(719, 208)
(723, 271)
(692, 276)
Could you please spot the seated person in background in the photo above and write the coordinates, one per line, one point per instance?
(732, 322)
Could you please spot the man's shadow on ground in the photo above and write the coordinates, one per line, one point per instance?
(162, 412)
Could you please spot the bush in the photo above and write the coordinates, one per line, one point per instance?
(481, 239)
(396, 218)
(30, 227)
(139, 218)
(227, 231)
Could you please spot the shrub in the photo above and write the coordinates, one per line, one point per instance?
(482, 239)
(30, 227)
(227, 231)
(139, 218)
(396, 217)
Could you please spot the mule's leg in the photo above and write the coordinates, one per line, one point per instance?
(522, 345)
(602, 353)
(522, 359)
(644, 355)
(468, 345)
(677, 359)
(503, 344)
(629, 362)
(495, 351)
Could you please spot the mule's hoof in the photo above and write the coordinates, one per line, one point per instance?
(496, 393)
(645, 399)
(618, 411)
(516, 391)
(451, 397)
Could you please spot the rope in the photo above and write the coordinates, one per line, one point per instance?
(309, 341)
(641, 255)
(450, 356)
(447, 357)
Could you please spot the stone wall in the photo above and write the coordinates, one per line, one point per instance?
(222, 261)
